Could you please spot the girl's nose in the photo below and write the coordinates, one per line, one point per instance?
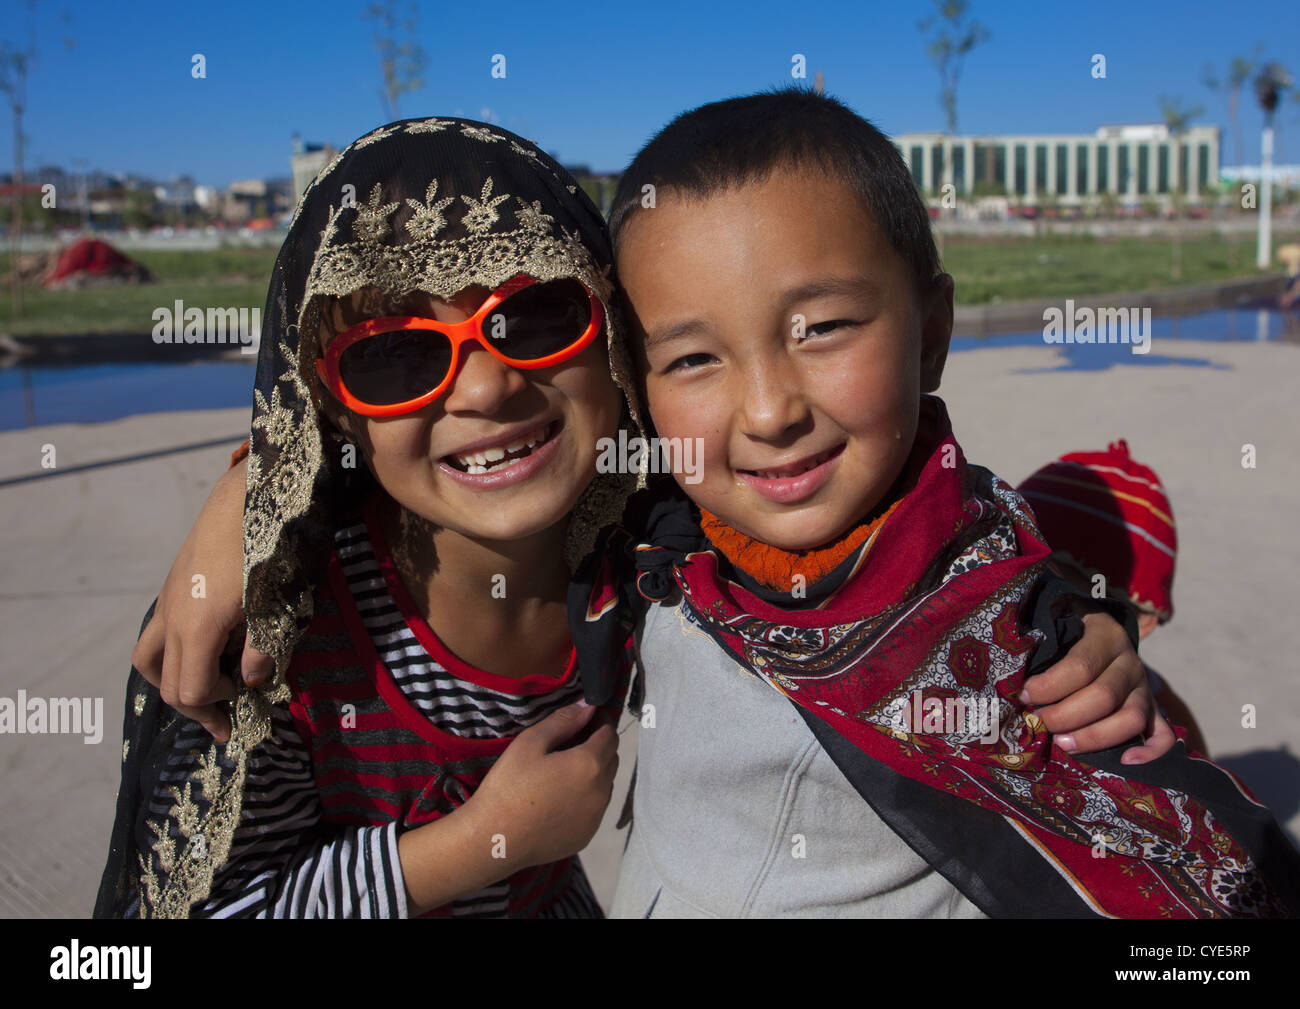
(482, 383)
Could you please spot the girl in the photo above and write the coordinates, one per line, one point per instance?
(439, 311)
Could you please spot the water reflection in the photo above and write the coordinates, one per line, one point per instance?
(58, 394)
(1244, 325)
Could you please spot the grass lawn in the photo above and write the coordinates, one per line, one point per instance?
(223, 278)
(1066, 266)
(986, 269)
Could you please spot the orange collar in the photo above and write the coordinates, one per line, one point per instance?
(776, 568)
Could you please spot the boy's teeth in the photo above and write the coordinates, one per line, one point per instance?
(494, 454)
(789, 471)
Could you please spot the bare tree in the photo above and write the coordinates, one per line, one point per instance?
(1239, 71)
(952, 37)
(401, 59)
(1177, 119)
(16, 61)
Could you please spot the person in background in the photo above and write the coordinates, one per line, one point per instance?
(1110, 523)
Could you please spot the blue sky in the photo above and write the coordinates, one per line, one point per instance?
(591, 84)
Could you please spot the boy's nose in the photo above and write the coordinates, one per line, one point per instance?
(771, 404)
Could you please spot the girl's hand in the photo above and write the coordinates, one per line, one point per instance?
(546, 793)
(1097, 696)
(179, 649)
(541, 801)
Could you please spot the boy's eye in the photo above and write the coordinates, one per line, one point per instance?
(822, 328)
(689, 361)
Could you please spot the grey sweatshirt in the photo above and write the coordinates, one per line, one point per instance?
(739, 812)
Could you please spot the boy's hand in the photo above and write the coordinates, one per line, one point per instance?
(1097, 696)
(548, 791)
(179, 649)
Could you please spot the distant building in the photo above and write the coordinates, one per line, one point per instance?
(179, 194)
(599, 186)
(307, 162)
(1131, 163)
(280, 195)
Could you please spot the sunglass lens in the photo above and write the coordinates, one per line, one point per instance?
(541, 319)
(395, 367)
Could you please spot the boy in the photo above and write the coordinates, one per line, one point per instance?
(787, 308)
(1110, 523)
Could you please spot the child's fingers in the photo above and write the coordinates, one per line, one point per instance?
(211, 717)
(170, 684)
(1160, 740)
(1103, 648)
(602, 744)
(1100, 699)
(1114, 730)
(557, 727)
(255, 666)
(147, 655)
(201, 681)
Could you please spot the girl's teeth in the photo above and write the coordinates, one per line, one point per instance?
(482, 462)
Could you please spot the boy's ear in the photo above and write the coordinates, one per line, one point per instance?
(936, 331)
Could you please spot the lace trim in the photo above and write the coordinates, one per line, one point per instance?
(193, 838)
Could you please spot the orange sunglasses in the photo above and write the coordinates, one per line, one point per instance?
(399, 364)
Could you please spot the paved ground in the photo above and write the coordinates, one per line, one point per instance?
(86, 551)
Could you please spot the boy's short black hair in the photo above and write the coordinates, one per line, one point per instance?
(741, 140)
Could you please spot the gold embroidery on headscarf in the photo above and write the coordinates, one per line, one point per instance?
(205, 831)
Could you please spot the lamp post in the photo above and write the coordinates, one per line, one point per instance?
(1269, 85)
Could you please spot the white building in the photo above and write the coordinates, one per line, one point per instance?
(1132, 163)
(306, 163)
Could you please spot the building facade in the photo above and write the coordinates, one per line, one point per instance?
(306, 163)
(1131, 163)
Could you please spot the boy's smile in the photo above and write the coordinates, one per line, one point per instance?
(775, 321)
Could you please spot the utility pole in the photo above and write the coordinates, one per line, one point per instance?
(1269, 85)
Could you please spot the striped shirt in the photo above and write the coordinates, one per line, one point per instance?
(285, 860)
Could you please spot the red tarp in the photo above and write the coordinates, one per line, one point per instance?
(91, 257)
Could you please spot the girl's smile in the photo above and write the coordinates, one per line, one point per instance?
(505, 452)
(505, 460)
